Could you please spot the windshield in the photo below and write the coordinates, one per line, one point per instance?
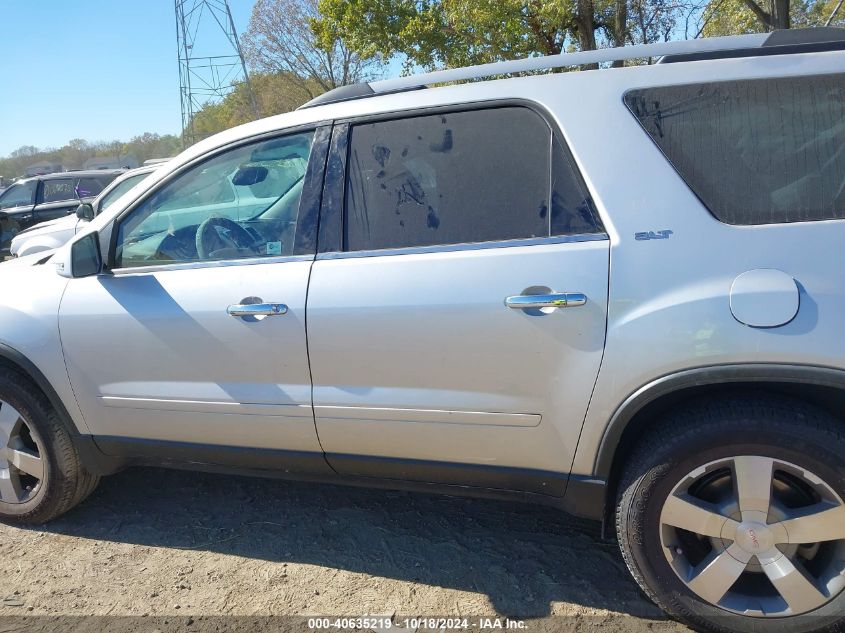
(119, 189)
(18, 195)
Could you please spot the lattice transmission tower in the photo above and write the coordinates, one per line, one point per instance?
(211, 63)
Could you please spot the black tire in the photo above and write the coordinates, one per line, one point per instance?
(65, 483)
(86, 488)
(704, 432)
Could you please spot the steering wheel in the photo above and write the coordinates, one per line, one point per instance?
(218, 233)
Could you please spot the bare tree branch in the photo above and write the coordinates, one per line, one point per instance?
(280, 39)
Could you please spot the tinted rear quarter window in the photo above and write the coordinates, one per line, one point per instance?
(754, 152)
(89, 187)
(461, 177)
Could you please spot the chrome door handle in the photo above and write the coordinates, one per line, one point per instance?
(257, 309)
(557, 300)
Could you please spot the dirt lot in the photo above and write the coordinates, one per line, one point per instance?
(181, 548)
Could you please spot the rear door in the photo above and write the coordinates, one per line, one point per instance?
(439, 347)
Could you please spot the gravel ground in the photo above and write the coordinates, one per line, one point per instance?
(178, 549)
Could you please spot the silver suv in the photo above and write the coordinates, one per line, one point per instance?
(618, 292)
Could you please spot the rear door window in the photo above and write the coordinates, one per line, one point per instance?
(754, 152)
(59, 189)
(462, 177)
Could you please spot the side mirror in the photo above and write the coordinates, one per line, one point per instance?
(85, 211)
(82, 259)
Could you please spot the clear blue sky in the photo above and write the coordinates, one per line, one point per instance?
(92, 69)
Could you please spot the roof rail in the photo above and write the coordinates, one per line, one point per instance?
(778, 42)
(348, 92)
(783, 42)
(342, 93)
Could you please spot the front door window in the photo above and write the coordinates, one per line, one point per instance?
(243, 203)
(18, 195)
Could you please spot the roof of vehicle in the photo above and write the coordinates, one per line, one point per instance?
(86, 173)
(782, 42)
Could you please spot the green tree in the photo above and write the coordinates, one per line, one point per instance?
(772, 14)
(830, 13)
(729, 17)
(275, 93)
(734, 17)
(74, 154)
(148, 145)
(25, 151)
(447, 33)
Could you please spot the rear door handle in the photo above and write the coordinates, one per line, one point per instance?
(257, 309)
(556, 300)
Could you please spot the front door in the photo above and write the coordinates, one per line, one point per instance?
(198, 334)
(428, 364)
(16, 205)
(53, 211)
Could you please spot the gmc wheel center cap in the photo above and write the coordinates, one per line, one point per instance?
(753, 537)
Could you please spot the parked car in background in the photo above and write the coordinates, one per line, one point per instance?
(54, 233)
(35, 200)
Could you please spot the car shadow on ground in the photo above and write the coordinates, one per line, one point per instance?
(522, 557)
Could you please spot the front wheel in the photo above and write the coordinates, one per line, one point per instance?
(41, 476)
(731, 516)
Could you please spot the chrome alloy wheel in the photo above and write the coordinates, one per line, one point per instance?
(21, 463)
(756, 536)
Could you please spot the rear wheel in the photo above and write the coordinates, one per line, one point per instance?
(41, 476)
(731, 516)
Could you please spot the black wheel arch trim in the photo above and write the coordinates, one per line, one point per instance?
(33, 373)
(92, 458)
(703, 377)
